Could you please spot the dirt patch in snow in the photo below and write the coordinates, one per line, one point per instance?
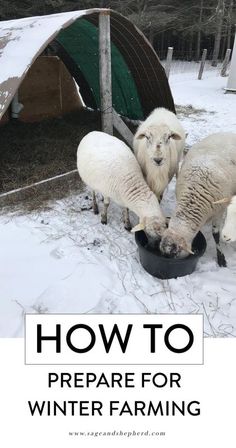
(40, 197)
(188, 110)
(31, 152)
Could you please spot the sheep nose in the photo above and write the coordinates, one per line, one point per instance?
(158, 160)
(169, 249)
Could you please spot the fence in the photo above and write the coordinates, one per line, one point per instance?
(176, 66)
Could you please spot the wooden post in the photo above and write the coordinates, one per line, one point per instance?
(231, 84)
(105, 71)
(225, 62)
(204, 55)
(168, 61)
(122, 128)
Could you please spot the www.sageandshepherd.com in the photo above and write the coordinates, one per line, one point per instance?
(117, 433)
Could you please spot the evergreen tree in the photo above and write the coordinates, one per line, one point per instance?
(187, 25)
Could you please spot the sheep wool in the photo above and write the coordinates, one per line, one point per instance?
(208, 173)
(108, 166)
(158, 145)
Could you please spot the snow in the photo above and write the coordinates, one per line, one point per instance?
(65, 260)
(207, 94)
(23, 38)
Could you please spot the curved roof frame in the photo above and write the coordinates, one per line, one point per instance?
(23, 40)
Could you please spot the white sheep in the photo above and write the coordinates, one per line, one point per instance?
(228, 232)
(108, 166)
(158, 145)
(208, 173)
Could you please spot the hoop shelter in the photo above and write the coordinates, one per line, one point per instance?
(139, 83)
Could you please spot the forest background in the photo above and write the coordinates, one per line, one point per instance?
(187, 25)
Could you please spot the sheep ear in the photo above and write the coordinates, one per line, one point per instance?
(223, 201)
(175, 136)
(189, 251)
(141, 136)
(138, 227)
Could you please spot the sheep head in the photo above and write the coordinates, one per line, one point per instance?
(174, 245)
(157, 142)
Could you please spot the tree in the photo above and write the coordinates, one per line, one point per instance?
(229, 22)
(220, 10)
(199, 31)
(187, 25)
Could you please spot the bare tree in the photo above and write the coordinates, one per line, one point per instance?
(229, 23)
(220, 10)
(199, 32)
(184, 24)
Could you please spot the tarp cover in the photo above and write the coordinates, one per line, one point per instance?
(80, 40)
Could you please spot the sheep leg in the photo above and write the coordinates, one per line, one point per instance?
(104, 213)
(216, 235)
(95, 205)
(127, 220)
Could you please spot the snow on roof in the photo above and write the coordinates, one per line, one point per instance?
(21, 41)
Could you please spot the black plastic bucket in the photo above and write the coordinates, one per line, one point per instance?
(162, 267)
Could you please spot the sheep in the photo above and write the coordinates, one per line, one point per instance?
(108, 166)
(228, 232)
(158, 146)
(208, 173)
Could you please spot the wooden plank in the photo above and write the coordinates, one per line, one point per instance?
(122, 128)
(231, 84)
(168, 61)
(105, 71)
(204, 55)
(225, 62)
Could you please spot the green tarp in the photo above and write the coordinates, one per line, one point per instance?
(80, 40)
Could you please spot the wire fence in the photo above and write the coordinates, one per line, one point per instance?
(178, 67)
(175, 66)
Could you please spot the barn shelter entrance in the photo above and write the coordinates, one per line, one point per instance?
(45, 86)
(47, 91)
(139, 83)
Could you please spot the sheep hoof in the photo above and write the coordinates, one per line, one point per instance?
(104, 220)
(221, 260)
(128, 227)
(95, 209)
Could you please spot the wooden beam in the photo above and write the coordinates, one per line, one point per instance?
(231, 84)
(225, 62)
(122, 128)
(202, 65)
(168, 61)
(105, 71)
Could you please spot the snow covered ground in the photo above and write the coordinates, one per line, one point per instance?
(206, 95)
(64, 260)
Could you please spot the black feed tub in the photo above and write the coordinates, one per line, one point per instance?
(162, 267)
